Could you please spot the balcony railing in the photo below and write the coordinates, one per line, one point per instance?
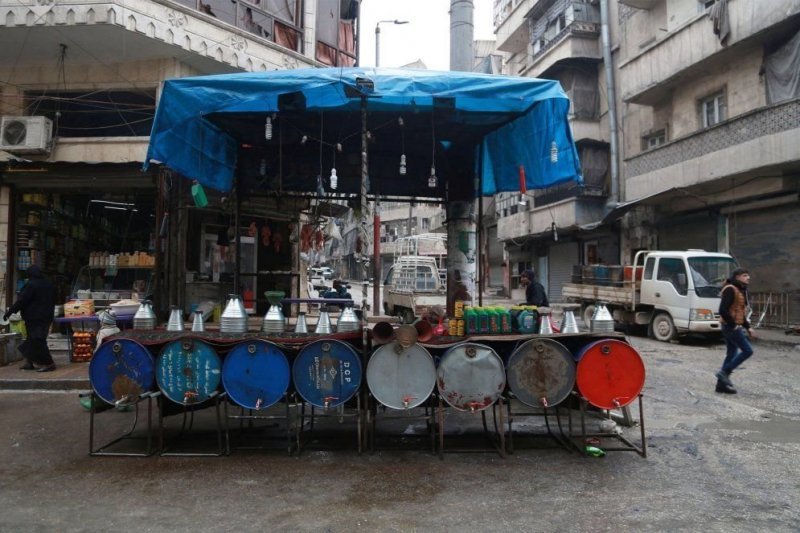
(574, 29)
(757, 123)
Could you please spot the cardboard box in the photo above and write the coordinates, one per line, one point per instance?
(75, 308)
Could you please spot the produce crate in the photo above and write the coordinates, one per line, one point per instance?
(82, 346)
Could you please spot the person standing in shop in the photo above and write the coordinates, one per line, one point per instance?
(36, 301)
(733, 306)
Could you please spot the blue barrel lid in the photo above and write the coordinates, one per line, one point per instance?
(188, 371)
(255, 374)
(121, 370)
(327, 373)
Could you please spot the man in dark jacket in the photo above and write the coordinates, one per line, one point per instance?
(534, 291)
(735, 327)
(36, 301)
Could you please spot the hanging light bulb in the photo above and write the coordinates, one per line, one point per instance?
(432, 181)
(400, 122)
(334, 179)
(268, 128)
(303, 139)
(555, 231)
(339, 147)
(403, 165)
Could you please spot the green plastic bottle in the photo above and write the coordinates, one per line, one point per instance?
(494, 320)
(470, 320)
(483, 320)
(505, 320)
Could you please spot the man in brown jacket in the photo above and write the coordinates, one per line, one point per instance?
(735, 327)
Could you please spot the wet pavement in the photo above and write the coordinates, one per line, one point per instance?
(715, 462)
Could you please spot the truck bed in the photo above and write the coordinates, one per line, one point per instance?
(602, 293)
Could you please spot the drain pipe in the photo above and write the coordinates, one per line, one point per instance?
(613, 197)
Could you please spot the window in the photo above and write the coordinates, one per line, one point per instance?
(713, 109)
(654, 140)
(673, 271)
(335, 32)
(649, 266)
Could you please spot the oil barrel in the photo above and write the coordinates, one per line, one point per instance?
(470, 376)
(610, 373)
(401, 377)
(327, 373)
(121, 370)
(255, 374)
(541, 372)
(188, 371)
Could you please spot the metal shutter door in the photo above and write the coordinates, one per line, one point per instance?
(767, 242)
(561, 258)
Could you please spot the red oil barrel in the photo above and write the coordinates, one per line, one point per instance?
(610, 373)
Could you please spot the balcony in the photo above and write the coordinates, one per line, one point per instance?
(692, 48)
(236, 36)
(567, 214)
(761, 142)
(511, 26)
(579, 40)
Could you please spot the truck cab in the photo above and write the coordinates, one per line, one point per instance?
(683, 289)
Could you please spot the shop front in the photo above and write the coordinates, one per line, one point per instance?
(90, 228)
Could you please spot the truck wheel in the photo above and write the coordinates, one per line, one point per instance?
(407, 316)
(587, 313)
(662, 328)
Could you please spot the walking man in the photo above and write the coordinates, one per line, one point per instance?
(36, 301)
(735, 327)
(534, 291)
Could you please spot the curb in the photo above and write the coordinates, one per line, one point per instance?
(45, 385)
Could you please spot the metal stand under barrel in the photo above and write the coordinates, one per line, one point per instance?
(596, 439)
(128, 434)
(561, 438)
(377, 412)
(187, 412)
(496, 441)
(252, 416)
(306, 421)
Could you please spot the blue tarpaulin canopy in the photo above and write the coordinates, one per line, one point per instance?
(214, 129)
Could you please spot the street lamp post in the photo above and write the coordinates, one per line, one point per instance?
(378, 37)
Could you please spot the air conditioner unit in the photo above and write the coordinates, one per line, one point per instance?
(26, 135)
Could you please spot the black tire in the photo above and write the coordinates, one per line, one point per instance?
(662, 328)
(407, 316)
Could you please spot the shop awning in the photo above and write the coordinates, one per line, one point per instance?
(214, 129)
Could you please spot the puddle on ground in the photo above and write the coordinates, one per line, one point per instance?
(768, 429)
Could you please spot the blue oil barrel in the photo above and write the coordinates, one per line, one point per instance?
(121, 370)
(188, 371)
(255, 374)
(327, 373)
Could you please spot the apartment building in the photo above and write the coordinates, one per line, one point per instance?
(553, 229)
(707, 107)
(79, 83)
(710, 107)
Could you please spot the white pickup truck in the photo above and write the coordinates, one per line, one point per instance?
(413, 287)
(679, 293)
